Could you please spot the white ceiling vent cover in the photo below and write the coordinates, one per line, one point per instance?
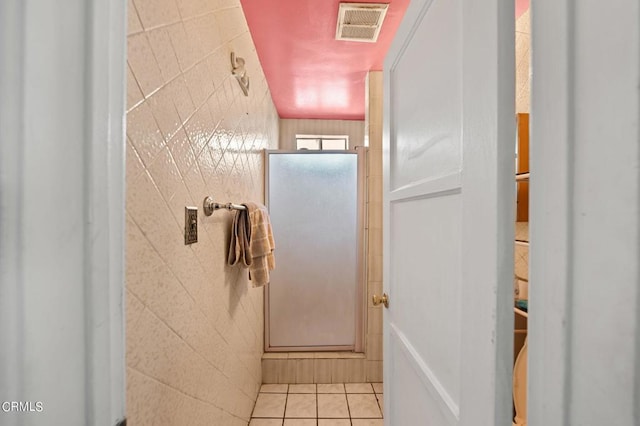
(360, 21)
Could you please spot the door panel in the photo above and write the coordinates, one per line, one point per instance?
(423, 224)
(428, 138)
(425, 397)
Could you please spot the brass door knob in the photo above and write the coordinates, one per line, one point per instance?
(378, 300)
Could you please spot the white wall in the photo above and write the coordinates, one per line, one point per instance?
(584, 322)
(61, 211)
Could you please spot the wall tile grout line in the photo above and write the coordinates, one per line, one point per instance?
(173, 388)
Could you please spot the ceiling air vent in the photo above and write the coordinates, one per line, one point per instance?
(360, 21)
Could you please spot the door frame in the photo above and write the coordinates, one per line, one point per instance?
(584, 322)
(79, 303)
(361, 293)
(488, 100)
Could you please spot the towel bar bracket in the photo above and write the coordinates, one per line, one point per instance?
(209, 206)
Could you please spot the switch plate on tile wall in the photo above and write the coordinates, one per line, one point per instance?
(190, 225)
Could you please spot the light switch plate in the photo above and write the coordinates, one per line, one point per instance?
(190, 225)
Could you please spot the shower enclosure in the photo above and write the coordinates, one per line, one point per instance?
(315, 300)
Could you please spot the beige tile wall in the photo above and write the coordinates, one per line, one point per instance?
(523, 89)
(194, 327)
(374, 251)
(523, 61)
(521, 266)
(313, 367)
(289, 128)
(343, 367)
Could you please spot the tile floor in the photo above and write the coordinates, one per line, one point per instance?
(350, 404)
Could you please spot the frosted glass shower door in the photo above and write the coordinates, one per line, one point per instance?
(314, 300)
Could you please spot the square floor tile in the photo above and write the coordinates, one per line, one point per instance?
(377, 387)
(300, 422)
(274, 388)
(270, 405)
(334, 422)
(367, 422)
(332, 406)
(301, 406)
(302, 388)
(358, 387)
(265, 422)
(331, 388)
(363, 406)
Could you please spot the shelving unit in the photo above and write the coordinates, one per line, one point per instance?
(521, 313)
(521, 178)
(522, 170)
(522, 183)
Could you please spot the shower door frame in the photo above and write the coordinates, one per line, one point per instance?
(360, 295)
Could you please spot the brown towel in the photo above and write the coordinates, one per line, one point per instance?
(252, 243)
(261, 244)
(239, 249)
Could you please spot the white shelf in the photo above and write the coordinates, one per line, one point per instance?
(520, 312)
(521, 177)
(522, 243)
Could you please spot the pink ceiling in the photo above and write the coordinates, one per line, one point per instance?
(310, 74)
(521, 7)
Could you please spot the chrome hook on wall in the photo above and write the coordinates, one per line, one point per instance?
(238, 70)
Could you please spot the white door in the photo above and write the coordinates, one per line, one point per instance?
(449, 206)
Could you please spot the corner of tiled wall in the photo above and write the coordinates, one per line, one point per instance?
(194, 325)
(374, 251)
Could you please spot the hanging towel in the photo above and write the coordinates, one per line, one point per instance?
(239, 247)
(261, 245)
(252, 243)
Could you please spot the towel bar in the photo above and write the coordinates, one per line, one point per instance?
(210, 206)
